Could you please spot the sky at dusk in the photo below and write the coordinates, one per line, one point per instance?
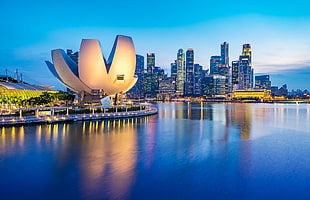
(279, 32)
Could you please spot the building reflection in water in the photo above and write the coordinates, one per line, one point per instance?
(12, 138)
(105, 152)
(108, 155)
(104, 157)
(224, 116)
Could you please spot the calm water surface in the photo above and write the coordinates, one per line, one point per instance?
(187, 151)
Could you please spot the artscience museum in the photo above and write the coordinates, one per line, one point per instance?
(93, 75)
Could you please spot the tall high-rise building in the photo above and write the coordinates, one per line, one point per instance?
(245, 71)
(174, 69)
(219, 84)
(215, 63)
(207, 86)
(246, 51)
(139, 64)
(225, 53)
(137, 91)
(167, 87)
(262, 82)
(181, 73)
(235, 74)
(150, 62)
(198, 74)
(189, 84)
(149, 84)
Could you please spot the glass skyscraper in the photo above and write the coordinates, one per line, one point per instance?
(148, 76)
(181, 72)
(189, 84)
(215, 63)
(197, 82)
(245, 70)
(225, 53)
(174, 69)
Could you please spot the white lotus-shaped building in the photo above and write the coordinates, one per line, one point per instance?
(93, 72)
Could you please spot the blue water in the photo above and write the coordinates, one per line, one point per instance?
(187, 151)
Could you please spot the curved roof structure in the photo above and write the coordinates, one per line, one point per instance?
(16, 86)
(93, 72)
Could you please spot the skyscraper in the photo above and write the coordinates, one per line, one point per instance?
(148, 76)
(189, 84)
(197, 79)
(215, 63)
(225, 53)
(150, 62)
(174, 69)
(207, 86)
(219, 84)
(157, 74)
(245, 71)
(137, 91)
(246, 51)
(181, 72)
(139, 64)
(235, 74)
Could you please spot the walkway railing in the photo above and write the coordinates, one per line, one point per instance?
(149, 110)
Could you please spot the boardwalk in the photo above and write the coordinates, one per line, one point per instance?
(9, 121)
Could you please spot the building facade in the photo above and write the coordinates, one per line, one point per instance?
(181, 72)
(262, 82)
(189, 84)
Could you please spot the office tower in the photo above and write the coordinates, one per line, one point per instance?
(181, 73)
(137, 91)
(207, 86)
(157, 74)
(150, 62)
(245, 71)
(235, 74)
(219, 84)
(73, 55)
(224, 53)
(167, 87)
(189, 84)
(149, 84)
(262, 82)
(174, 69)
(215, 63)
(139, 64)
(246, 51)
(198, 74)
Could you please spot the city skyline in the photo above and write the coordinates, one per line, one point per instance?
(279, 38)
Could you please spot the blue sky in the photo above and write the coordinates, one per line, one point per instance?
(279, 32)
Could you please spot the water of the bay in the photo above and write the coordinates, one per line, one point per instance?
(187, 151)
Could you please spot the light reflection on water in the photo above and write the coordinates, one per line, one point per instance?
(199, 150)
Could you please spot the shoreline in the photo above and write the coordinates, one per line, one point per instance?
(15, 121)
(296, 101)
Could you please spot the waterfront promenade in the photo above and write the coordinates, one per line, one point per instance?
(11, 121)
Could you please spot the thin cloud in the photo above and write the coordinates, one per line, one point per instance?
(282, 68)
